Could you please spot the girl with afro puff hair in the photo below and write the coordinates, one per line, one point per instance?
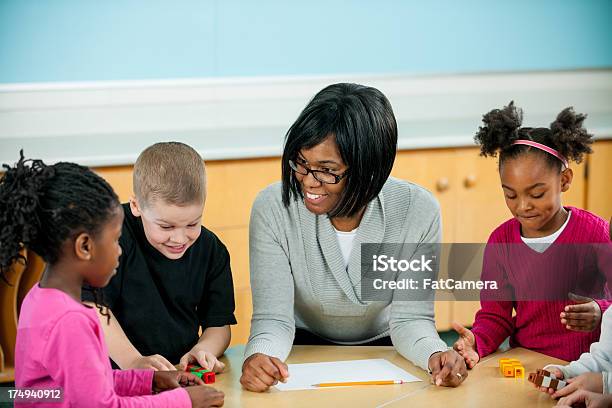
(534, 172)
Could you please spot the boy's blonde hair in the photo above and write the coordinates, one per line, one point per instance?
(172, 172)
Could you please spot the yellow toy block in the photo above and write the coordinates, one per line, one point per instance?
(502, 361)
(519, 371)
(508, 370)
(511, 367)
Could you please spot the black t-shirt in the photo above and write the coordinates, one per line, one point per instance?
(159, 302)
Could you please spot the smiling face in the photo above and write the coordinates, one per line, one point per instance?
(321, 198)
(105, 251)
(171, 229)
(532, 190)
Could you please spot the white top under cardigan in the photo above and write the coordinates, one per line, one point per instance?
(541, 244)
(345, 241)
(298, 274)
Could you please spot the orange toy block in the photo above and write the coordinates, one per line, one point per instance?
(508, 370)
(503, 361)
(519, 371)
(511, 367)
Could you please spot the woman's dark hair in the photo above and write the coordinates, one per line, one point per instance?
(502, 127)
(361, 121)
(42, 206)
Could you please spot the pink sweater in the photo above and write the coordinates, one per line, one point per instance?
(537, 324)
(60, 343)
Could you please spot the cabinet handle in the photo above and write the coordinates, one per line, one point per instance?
(470, 181)
(442, 184)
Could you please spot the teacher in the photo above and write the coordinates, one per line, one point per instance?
(305, 241)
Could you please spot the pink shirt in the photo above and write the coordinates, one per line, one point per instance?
(60, 343)
(537, 324)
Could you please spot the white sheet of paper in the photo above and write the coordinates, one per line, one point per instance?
(303, 376)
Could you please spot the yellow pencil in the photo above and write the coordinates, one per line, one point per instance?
(343, 384)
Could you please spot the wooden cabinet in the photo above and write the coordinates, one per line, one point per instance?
(434, 170)
(599, 182)
(466, 185)
(232, 188)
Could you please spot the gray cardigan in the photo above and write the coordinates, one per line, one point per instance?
(298, 275)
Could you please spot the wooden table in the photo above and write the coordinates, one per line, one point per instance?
(485, 387)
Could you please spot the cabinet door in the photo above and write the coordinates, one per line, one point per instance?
(236, 240)
(479, 196)
(433, 170)
(576, 195)
(599, 197)
(232, 188)
(120, 179)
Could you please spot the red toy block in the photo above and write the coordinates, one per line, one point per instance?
(206, 375)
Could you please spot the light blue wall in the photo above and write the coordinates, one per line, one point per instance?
(75, 40)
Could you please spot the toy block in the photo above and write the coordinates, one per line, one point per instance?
(503, 361)
(508, 368)
(543, 378)
(519, 371)
(545, 373)
(207, 376)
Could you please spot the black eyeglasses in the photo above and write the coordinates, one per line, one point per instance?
(321, 176)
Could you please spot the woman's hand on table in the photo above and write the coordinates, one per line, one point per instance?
(260, 372)
(447, 368)
(466, 345)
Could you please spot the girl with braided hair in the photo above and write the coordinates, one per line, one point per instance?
(72, 218)
(534, 172)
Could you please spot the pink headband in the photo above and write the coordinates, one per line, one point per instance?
(542, 147)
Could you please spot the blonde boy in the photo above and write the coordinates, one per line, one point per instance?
(174, 275)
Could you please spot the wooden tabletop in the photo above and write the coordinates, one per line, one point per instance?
(484, 387)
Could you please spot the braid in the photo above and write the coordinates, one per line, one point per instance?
(42, 206)
(99, 301)
(21, 189)
(77, 200)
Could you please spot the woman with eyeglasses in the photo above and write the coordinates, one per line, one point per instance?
(306, 234)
